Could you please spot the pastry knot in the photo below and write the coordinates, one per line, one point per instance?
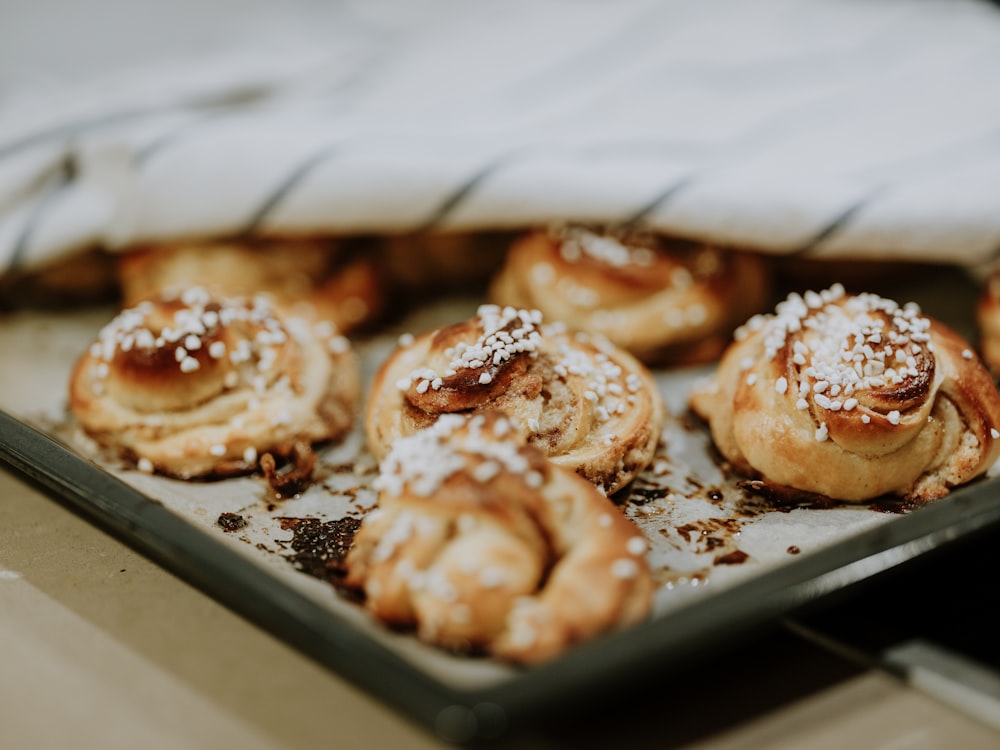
(481, 544)
(884, 398)
(666, 300)
(195, 385)
(583, 402)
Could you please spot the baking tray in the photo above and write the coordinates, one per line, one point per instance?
(727, 561)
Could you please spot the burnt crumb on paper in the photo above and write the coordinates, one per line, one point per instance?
(230, 522)
(894, 505)
(710, 534)
(643, 495)
(319, 548)
(700, 515)
(736, 557)
(763, 497)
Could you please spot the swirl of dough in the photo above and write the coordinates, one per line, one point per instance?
(852, 397)
(665, 300)
(482, 544)
(192, 385)
(307, 277)
(585, 403)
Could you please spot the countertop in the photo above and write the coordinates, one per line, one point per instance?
(103, 649)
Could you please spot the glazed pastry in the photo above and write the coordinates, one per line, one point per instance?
(309, 278)
(196, 386)
(482, 544)
(583, 402)
(665, 300)
(852, 397)
(988, 318)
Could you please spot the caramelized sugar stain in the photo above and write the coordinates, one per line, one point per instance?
(643, 495)
(763, 497)
(710, 533)
(289, 475)
(894, 505)
(319, 548)
(660, 493)
(230, 522)
(736, 557)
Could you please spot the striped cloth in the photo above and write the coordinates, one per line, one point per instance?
(827, 128)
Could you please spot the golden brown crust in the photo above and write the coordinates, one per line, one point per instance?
(307, 277)
(586, 404)
(482, 544)
(852, 397)
(198, 386)
(664, 300)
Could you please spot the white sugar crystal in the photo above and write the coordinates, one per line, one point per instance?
(624, 568)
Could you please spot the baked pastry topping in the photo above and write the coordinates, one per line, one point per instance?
(884, 399)
(483, 545)
(665, 300)
(490, 360)
(586, 404)
(306, 277)
(191, 385)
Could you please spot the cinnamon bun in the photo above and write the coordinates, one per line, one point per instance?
(309, 278)
(585, 403)
(482, 544)
(852, 397)
(195, 386)
(665, 300)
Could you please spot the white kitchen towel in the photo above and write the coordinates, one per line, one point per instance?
(826, 128)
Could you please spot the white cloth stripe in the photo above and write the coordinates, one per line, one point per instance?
(839, 222)
(449, 204)
(35, 216)
(832, 127)
(297, 174)
(661, 199)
